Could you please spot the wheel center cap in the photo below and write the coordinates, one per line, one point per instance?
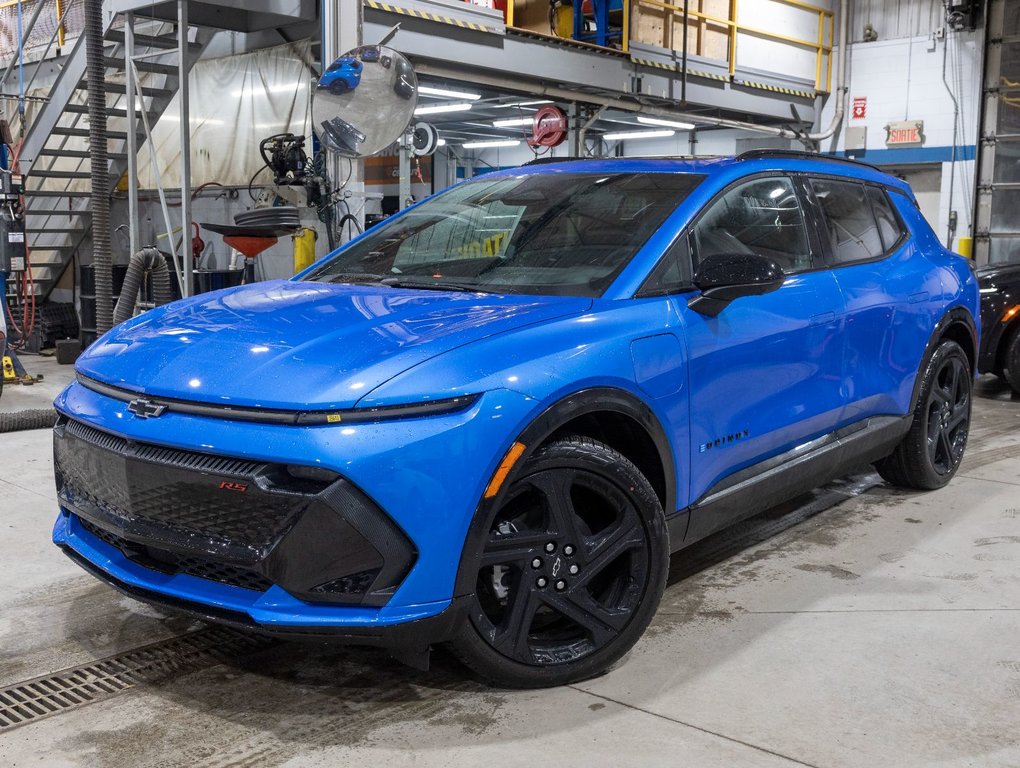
(557, 566)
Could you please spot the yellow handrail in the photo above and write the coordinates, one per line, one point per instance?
(822, 45)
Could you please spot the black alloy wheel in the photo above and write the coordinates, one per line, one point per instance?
(949, 415)
(933, 448)
(571, 571)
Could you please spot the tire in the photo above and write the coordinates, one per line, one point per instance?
(930, 453)
(338, 87)
(572, 572)
(1011, 356)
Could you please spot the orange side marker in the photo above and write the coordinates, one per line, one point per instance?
(504, 469)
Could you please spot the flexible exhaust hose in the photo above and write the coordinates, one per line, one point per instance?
(146, 261)
(39, 418)
(95, 70)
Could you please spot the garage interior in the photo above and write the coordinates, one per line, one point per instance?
(858, 625)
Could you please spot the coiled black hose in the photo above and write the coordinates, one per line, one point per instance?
(147, 260)
(102, 258)
(36, 418)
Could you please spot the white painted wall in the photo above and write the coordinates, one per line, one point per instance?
(903, 79)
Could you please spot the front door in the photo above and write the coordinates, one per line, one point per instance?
(765, 373)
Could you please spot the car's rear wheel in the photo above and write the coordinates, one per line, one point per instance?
(338, 87)
(1012, 358)
(571, 572)
(932, 450)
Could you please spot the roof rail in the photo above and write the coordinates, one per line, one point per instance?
(795, 154)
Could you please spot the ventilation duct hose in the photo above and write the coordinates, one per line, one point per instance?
(40, 418)
(95, 70)
(146, 261)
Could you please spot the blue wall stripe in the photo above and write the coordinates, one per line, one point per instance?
(910, 155)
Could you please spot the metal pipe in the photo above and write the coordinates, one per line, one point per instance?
(22, 37)
(132, 131)
(184, 91)
(841, 67)
(102, 257)
(683, 76)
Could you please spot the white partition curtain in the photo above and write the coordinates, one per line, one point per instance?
(236, 101)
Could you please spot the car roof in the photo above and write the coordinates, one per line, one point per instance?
(730, 168)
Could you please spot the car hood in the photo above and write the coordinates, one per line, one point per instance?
(298, 345)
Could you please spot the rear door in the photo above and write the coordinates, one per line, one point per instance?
(889, 288)
(765, 374)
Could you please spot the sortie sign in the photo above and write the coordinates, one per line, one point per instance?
(905, 133)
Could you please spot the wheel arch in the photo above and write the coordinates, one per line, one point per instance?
(592, 412)
(958, 325)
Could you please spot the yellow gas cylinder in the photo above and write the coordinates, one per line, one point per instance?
(965, 247)
(304, 248)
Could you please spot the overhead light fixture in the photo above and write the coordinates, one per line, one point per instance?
(427, 90)
(512, 123)
(637, 135)
(487, 144)
(440, 142)
(668, 123)
(435, 109)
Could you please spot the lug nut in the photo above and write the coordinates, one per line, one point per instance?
(568, 550)
(561, 585)
(541, 582)
(536, 563)
(574, 569)
(550, 547)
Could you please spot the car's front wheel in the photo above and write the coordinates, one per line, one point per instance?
(932, 450)
(571, 572)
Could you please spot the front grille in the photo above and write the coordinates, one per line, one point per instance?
(174, 495)
(170, 562)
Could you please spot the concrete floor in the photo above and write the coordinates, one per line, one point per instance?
(859, 626)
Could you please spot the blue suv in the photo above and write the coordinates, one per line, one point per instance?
(489, 420)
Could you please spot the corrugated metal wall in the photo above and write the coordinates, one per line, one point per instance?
(895, 18)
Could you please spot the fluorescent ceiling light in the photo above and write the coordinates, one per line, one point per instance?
(486, 144)
(427, 90)
(435, 109)
(514, 122)
(668, 123)
(440, 142)
(637, 135)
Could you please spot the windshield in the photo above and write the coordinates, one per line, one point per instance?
(566, 234)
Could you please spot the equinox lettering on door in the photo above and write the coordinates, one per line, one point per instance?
(719, 442)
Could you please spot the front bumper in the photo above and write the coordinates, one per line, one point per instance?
(423, 476)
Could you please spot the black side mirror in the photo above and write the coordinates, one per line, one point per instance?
(726, 277)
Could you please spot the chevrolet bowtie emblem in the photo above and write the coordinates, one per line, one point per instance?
(144, 409)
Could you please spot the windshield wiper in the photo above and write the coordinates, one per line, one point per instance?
(354, 277)
(403, 282)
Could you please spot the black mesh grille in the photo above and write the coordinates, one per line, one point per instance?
(168, 561)
(181, 493)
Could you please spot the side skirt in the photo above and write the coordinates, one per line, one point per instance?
(783, 477)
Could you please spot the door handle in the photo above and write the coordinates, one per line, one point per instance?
(823, 319)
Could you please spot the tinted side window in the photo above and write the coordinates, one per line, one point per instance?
(762, 216)
(889, 225)
(849, 223)
(673, 272)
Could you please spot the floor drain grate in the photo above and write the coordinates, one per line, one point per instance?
(40, 697)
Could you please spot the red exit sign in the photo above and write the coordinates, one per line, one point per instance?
(904, 133)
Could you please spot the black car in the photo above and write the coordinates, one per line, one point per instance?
(1000, 322)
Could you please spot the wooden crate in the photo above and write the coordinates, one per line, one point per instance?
(654, 25)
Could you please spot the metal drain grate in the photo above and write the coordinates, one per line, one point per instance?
(48, 695)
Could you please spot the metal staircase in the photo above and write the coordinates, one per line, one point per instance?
(54, 155)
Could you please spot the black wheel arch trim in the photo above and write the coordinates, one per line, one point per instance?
(956, 315)
(568, 408)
